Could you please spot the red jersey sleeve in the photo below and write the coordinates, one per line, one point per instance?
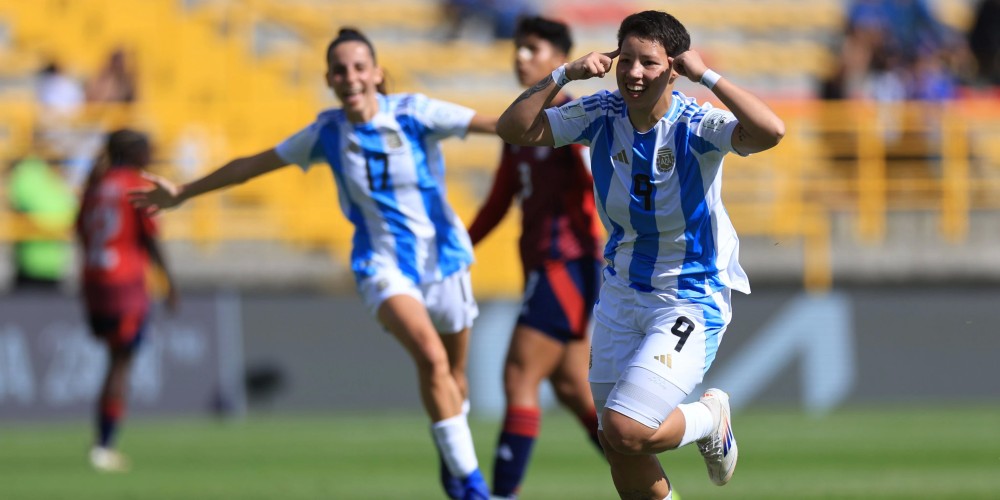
(147, 225)
(505, 187)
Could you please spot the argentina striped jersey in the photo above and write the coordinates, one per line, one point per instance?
(659, 192)
(390, 182)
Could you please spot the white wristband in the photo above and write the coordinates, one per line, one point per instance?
(559, 76)
(709, 78)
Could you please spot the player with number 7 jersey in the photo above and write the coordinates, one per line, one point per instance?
(410, 252)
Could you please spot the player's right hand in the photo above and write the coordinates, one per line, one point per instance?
(593, 64)
(163, 195)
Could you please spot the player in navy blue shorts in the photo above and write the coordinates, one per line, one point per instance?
(561, 259)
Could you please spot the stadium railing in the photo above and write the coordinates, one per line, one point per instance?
(206, 95)
(838, 158)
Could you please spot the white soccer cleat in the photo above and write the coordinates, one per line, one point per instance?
(719, 447)
(108, 460)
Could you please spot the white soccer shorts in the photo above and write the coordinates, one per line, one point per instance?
(449, 302)
(674, 334)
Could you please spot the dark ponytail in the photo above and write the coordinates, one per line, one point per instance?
(122, 147)
(128, 147)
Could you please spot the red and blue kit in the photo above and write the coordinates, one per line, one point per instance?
(115, 257)
(560, 233)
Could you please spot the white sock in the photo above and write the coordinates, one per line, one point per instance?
(466, 406)
(454, 440)
(698, 422)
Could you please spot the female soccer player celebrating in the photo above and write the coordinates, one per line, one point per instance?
(410, 251)
(672, 253)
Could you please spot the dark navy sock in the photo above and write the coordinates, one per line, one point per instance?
(514, 449)
(108, 418)
(513, 453)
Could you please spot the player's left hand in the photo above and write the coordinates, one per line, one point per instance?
(689, 64)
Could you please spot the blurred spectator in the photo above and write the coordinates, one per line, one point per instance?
(60, 98)
(894, 50)
(908, 26)
(883, 79)
(499, 16)
(115, 82)
(984, 40)
(932, 79)
(39, 193)
(57, 92)
(58, 136)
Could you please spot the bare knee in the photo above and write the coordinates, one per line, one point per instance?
(574, 392)
(624, 435)
(432, 360)
(519, 383)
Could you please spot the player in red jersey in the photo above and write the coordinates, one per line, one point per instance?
(561, 258)
(118, 241)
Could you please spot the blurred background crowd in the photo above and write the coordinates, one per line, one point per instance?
(891, 105)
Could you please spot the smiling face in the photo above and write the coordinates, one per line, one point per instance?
(354, 78)
(535, 58)
(644, 74)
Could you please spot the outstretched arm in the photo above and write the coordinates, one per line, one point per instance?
(524, 123)
(483, 124)
(164, 194)
(497, 203)
(759, 128)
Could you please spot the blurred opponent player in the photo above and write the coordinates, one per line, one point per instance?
(561, 259)
(118, 243)
(672, 253)
(410, 252)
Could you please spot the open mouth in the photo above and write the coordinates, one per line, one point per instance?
(635, 89)
(352, 93)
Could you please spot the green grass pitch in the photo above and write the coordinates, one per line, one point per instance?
(888, 453)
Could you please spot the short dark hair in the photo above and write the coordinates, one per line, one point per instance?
(549, 30)
(128, 147)
(348, 34)
(658, 27)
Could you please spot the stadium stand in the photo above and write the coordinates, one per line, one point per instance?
(219, 78)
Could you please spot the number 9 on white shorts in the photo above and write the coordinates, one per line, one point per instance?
(674, 334)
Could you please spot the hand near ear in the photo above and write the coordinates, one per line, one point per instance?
(593, 64)
(689, 65)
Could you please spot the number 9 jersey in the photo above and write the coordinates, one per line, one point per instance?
(390, 182)
(659, 192)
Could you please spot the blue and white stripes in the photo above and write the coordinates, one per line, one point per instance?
(659, 191)
(389, 175)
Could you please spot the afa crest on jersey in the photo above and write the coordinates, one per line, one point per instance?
(664, 159)
(392, 139)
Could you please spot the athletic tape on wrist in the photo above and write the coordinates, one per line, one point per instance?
(559, 76)
(710, 78)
